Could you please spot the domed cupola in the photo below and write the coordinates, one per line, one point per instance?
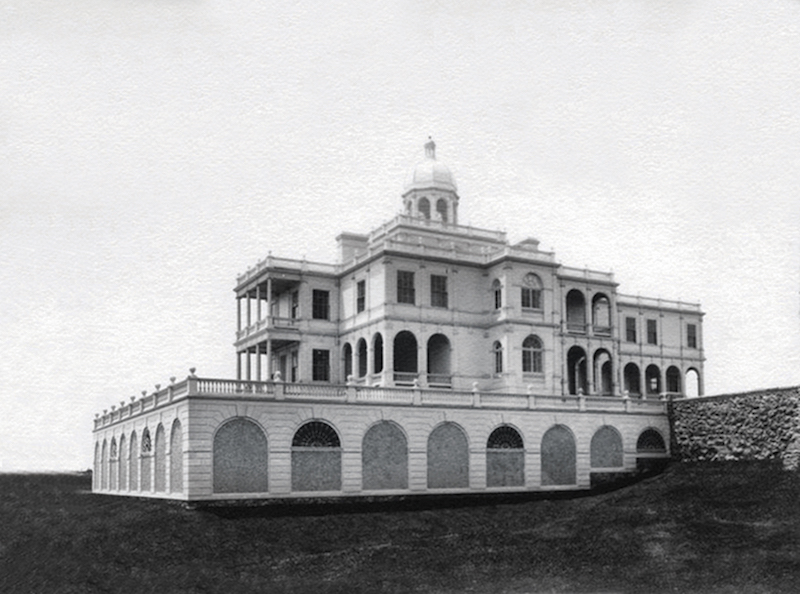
(430, 190)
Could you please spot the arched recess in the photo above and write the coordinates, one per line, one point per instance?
(104, 466)
(576, 371)
(576, 311)
(531, 292)
(377, 353)
(405, 357)
(673, 380)
(603, 371)
(693, 389)
(424, 208)
(532, 355)
(133, 460)
(652, 379)
(316, 458)
(441, 208)
(632, 378)
(176, 458)
(650, 442)
(123, 463)
(112, 465)
(448, 457)
(161, 460)
(240, 458)
(361, 346)
(439, 360)
(147, 450)
(606, 448)
(558, 457)
(505, 458)
(347, 361)
(96, 482)
(601, 315)
(384, 457)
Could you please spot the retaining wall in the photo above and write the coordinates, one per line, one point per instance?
(759, 425)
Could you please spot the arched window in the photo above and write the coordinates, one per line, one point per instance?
(603, 372)
(133, 459)
(558, 457)
(576, 368)
(576, 311)
(104, 467)
(448, 457)
(505, 458)
(147, 458)
(652, 378)
(123, 464)
(497, 353)
(240, 458)
(606, 448)
(160, 460)
(424, 207)
(405, 358)
(112, 465)
(601, 315)
(384, 457)
(441, 208)
(439, 360)
(362, 358)
(532, 359)
(693, 388)
(673, 380)
(347, 359)
(651, 442)
(632, 379)
(176, 458)
(316, 458)
(497, 292)
(531, 292)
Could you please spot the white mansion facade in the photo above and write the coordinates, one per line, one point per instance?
(432, 357)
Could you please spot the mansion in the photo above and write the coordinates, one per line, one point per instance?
(430, 358)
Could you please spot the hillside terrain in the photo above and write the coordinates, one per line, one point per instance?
(718, 528)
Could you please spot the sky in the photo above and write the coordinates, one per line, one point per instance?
(151, 150)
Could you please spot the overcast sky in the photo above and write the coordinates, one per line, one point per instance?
(151, 150)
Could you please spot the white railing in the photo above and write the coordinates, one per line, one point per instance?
(637, 301)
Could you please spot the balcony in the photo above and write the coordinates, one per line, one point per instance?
(270, 322)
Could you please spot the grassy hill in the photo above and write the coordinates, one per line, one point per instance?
(695, 528)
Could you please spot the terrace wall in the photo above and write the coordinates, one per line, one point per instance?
(759, 425)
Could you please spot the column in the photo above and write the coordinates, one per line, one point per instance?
(238, 365)
(247, 361)
(249, 319)
(269, 301)
(388, 360)
(258, 303)
(422, 362)
(258, 362)
(238, 314)
(269, 361)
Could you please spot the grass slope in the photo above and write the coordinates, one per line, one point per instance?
(696, 528)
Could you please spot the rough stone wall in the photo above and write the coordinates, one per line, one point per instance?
(757, 425)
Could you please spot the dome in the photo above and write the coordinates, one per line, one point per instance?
(430, 173)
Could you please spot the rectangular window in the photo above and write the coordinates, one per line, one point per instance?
(652, 332)
(438, 291)
(630, 329)
(295, 305)
(691, 336)
(320, 305)
(321, 369)
(361, 296)
(405, 287)
(531, 298)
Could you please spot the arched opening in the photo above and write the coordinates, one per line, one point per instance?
(532, 355)
(497, 293)
(603, 372)
(377, 353)
(673, 380)
(601, 315)
(104, 466)
(576, 371)
(122, 464)
(316, 458)
(160, 460)
(133, 460)
(606, 448)
(240, 458)
(693, 389)
(112, 465)
(558, 457)
(576, 311)
(347, 361)
(384, 458)
(650, 442)
(96, 483)
(362, 358)
(441, 208)
(652, 379)
(439, 361)
(505, 458)
(147, 450)
(424, 207)
(405, 358)
(448, 458)
(497, 354)
(176, 458)
(632, 379)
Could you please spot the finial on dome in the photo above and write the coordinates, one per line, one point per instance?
(430, 149)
